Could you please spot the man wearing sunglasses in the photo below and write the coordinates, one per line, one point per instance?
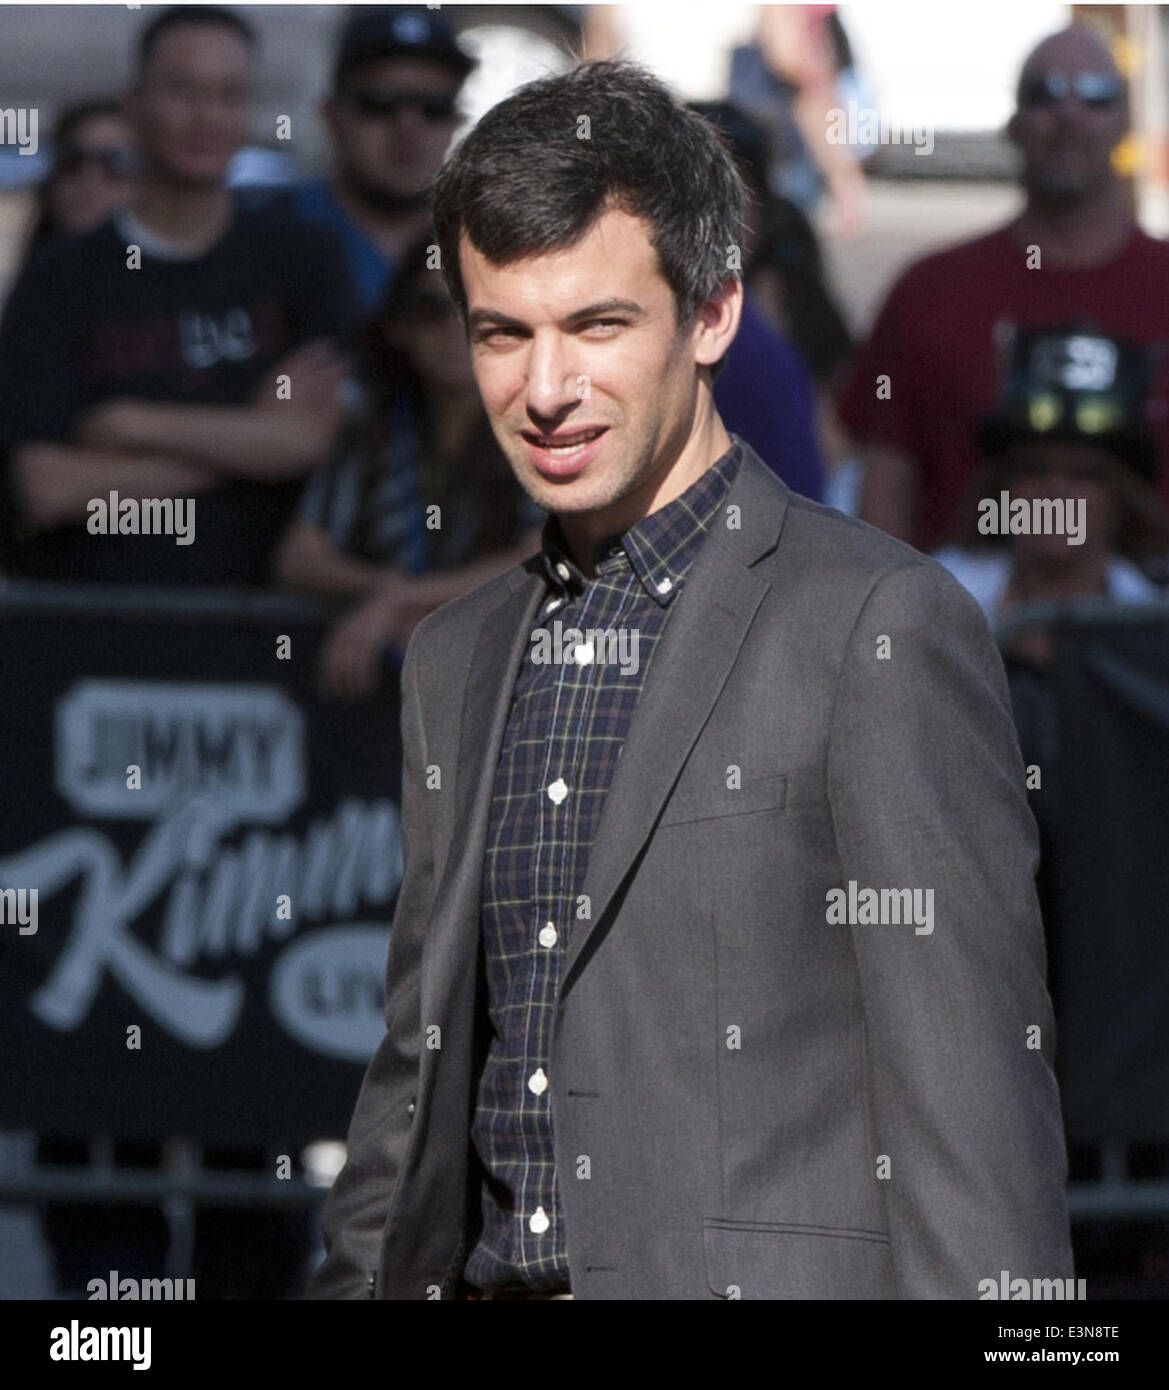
(1073, 250)
(93, 171)
(143, 360)
(391, 114)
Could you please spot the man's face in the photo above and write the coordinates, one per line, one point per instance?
(93, 177)
(1073, 471)
(191, 106)
(393, 123)
(1067, 142)
(588, 381)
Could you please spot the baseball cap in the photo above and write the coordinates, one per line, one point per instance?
(387, 31)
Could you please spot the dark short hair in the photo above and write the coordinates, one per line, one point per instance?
(530, 178)
(205, 16)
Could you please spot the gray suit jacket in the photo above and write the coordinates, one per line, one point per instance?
(772, 1105)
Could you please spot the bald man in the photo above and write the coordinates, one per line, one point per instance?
(1073, 251)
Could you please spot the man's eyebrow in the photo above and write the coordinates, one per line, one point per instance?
(479, 316)
(606, 306)
(590, 311)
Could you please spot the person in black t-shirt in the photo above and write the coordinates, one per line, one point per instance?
(148, 358)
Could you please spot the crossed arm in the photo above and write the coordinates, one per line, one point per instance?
(143, 449)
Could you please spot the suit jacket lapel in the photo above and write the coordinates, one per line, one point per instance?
(694, 657)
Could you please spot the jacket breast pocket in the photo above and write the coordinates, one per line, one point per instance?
(693, 802)
(763, 1260)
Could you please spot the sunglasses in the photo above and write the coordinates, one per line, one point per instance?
(1098, 89)
(434, 106)
(114, 163)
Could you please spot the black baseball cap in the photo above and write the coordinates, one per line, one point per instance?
(388, 31)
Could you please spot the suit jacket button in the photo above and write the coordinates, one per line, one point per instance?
(410, 1108)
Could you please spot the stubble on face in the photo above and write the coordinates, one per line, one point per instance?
(1067, 151)
(585, 338)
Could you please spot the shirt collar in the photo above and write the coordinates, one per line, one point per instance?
(660, 547)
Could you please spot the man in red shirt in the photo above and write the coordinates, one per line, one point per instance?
(928, 371)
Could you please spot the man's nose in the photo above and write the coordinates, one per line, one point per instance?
(408, 122)
(551, 377)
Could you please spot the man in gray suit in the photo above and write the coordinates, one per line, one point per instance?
(717, 969)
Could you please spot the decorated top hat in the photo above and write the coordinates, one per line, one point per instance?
(1073, 383)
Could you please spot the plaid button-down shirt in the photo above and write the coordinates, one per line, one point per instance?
(570, 711)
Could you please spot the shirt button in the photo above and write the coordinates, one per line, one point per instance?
(563, 571)
(584, 654)
(558, 790)
(553, 606)
(547, 935)
(538, 1082)
(665, 586)
(538, 1221)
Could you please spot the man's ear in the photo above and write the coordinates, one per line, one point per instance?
(1011, 129)
(717, 322)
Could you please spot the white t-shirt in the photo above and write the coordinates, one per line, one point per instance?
(986, 576)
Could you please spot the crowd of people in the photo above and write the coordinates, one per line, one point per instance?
(296, 366)
(291, 363)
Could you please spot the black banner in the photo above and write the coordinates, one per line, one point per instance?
(196, 948)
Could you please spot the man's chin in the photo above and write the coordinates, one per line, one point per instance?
(570, 497)
(597, 486)
(1069, 186)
